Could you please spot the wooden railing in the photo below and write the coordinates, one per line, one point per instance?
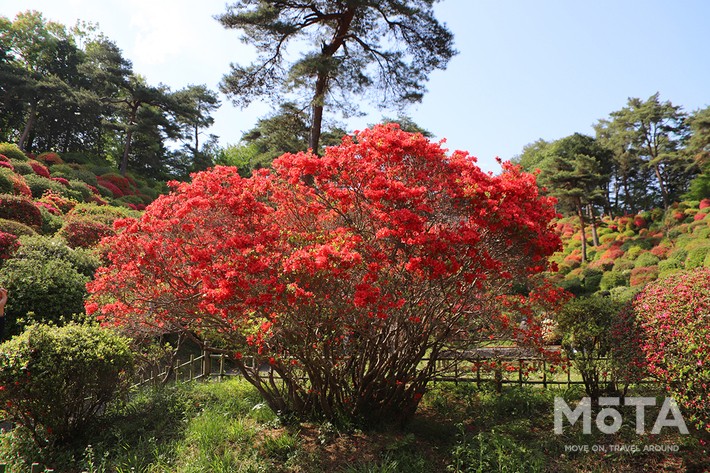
(471, 369)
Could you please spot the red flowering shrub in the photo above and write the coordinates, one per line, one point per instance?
(20, 210)
(661, 250)
(40, 169)
(111, 187)
(613, 252)
(643, 275)
(60, 202)
(50, 158)
(341, 272)
(84, 233)
(8, 245)
(7, 164)
(51, 208)
(4, 159)
(63, 181)
(705, 203)
(640, 222)
(699, 216)
(19, 186)
(674, 316)
(117, 180)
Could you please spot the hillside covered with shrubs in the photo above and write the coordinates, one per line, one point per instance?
(625, 253)
(53, 212)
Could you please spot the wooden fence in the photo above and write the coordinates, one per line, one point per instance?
(514, 368)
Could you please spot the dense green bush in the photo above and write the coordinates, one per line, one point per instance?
(101, 213)
(51, 289)
(16, 228)
(667, 264)
(646, 259)
(50, 223)
(592, 278)
(611, 279)
(696, 256)
(82, 189)
(623, 264)
(39, 185)
(22, 167)
(12, 151)
(58, 380)
(42, 248)
(6, 182)
(589, 327)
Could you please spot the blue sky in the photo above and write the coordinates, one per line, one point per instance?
(525, 70)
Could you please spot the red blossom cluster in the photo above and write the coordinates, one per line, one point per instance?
(20, 209)
(40, 169)
(8, 245)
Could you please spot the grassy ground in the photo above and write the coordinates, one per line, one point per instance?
(224, 427)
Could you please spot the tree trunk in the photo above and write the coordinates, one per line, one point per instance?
(664, 191)
(22, 144)
(327, 51)
(129, 137)
(126, 150)
(197, 144)
(317, 120)
(593, 223)
(580, 213)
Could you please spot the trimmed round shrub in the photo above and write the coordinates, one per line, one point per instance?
(646, 259)
(51, 222)
(20, 210)
(40, 169)
(623, 294)
(22, 167)
(51, 289)
(39, 185)
(19, 186)
(119, 181)
(45, 248)
(59, 201)
(592, 278)
(665, 265)
(612, 279)
(57, 381)
(623, 264)
(81, 188)
(6, 181)
(16, 228)
(101, 213)
(50, 158)
(64, 170)
(678, 254)
(84, 233)
(673, 314)
(12, 151)
(113, 190)
(86, 176)
(642, 276)
(696, 256)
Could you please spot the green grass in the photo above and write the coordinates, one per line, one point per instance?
(225, 427)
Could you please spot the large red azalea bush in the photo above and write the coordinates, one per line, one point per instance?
(348, 274)
(675, 316)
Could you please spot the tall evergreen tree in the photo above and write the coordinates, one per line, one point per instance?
(347, 48)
